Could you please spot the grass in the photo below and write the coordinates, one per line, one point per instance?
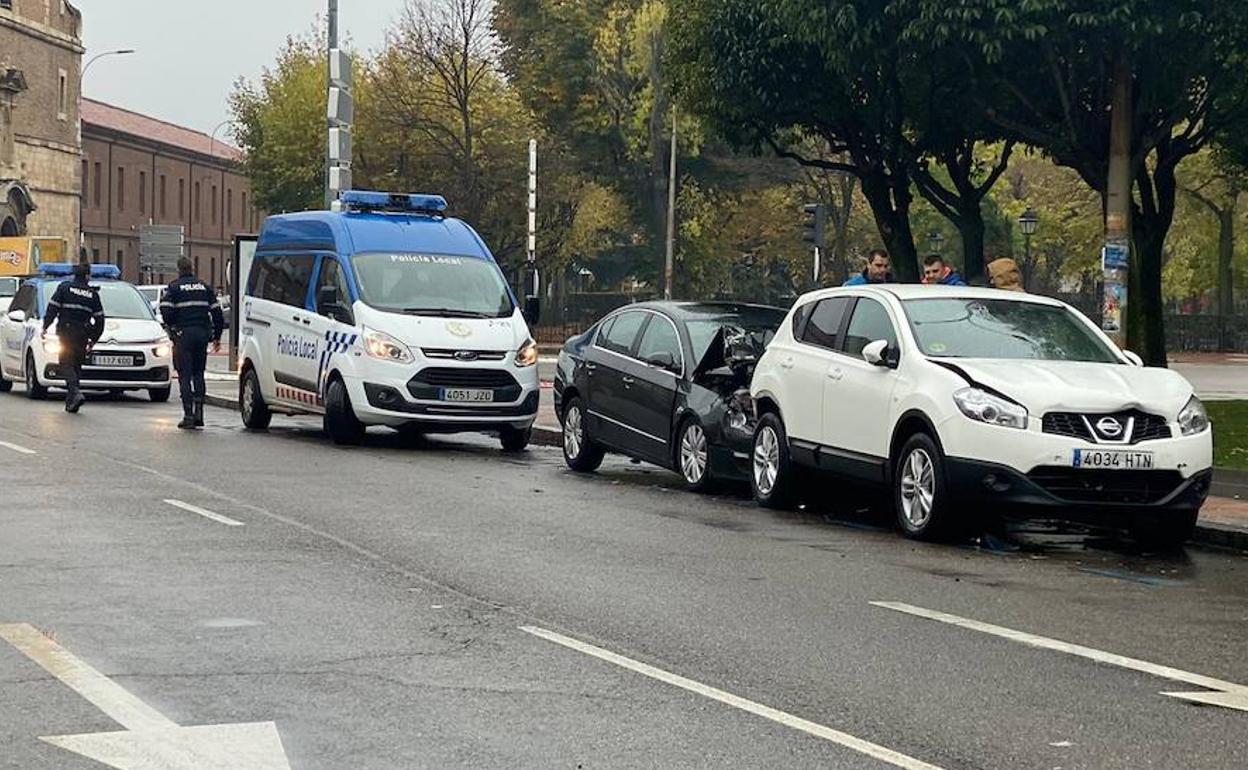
(1230, 433)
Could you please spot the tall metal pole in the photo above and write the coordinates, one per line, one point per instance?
(1116, 255)
(668, 267)
(332, 23)
(531, 251)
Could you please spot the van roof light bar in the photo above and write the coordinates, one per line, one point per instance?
(405, 203)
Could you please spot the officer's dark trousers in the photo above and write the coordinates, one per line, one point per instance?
(190, 356)
(73, 355)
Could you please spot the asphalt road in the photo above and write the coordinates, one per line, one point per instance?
(373, 600)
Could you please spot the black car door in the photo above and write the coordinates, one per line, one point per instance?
(606, 364)
(650, 387)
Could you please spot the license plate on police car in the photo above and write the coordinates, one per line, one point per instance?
(470, 395)
(1112, 459)
(112, 361)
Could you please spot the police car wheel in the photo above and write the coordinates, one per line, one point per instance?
(34, 390)
(5, 383)
(340, 421)
(158, 395)
(255, 412)
(515, 440)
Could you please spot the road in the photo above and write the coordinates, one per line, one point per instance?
(373, 603)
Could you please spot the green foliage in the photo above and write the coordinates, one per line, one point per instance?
(1230, 433)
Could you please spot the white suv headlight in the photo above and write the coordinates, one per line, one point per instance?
(1193, 419)
(381, 345)
(982, 406)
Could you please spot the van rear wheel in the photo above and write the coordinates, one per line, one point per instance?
(340, 421)
(515, 439)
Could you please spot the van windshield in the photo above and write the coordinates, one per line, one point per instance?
(433, 284)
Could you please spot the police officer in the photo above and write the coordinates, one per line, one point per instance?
(192, 314)
(75, 306)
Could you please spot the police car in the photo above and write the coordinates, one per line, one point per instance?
(385, 312)
(133, 353)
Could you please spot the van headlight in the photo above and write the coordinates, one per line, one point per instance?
(1193, 419)
(381, 345)
(52, 345)
(982, 406)
(527, 354)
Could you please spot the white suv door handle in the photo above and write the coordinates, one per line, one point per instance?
(786, 363)
(835, 374)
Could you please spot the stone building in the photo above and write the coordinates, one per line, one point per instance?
(40, 63)
(138, 170)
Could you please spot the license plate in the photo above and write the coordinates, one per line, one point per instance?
(1112, 459)
(467, 394)
(112, 361)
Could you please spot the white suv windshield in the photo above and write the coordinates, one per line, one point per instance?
(433, 284)
(999, 328)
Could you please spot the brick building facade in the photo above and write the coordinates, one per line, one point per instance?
(40, 62)
(140, 170)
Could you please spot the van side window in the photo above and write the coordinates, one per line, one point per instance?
(332, 299)
(283, 278)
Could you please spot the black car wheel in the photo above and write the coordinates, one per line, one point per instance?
(34, 390)
(920, 492)
(256, 414)
(1167, 531)
(772, 475)
(340, 421)
(579, 450)
(693, 456)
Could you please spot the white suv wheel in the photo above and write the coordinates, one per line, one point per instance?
(918, 487)
(766, 459)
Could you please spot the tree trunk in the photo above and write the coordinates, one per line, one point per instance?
(1226, 253)
(971, 227)
(890, 207)
(1150, 221)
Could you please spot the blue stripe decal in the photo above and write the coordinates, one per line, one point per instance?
(335, 342)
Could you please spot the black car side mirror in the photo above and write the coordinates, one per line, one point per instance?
(663, 360)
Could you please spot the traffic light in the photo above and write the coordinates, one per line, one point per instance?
(814, 222)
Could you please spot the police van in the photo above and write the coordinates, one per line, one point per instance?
(133, 352)
(385, 312)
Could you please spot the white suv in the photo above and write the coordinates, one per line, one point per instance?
(954, 396)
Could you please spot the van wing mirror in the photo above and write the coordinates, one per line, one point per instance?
(532, 311)
(879, 353)
(17, 316)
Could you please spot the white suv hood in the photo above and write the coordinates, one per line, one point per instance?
(1046, 386)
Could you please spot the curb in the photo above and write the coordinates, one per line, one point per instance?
(542, 435)
(1222, 536)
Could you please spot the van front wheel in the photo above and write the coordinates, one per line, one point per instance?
(340, 421)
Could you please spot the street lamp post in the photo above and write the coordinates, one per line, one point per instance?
(1027, 222)
(82, 183)
(934, 241)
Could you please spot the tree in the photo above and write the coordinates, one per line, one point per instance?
(280, 125)
(1049, 79)
(1216, 182)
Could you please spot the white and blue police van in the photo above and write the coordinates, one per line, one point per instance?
(385, 311)
(133, 352)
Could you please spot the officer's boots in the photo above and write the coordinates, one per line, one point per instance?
(199, 413)
(188, 416)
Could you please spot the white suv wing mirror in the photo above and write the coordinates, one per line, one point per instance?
(17, 316)
(876, 354)
(1133, 358)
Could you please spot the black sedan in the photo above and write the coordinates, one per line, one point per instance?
(668, 383)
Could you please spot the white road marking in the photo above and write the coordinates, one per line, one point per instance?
(1226, 694)
(882, 753)
(207, 514)
(150, 741)
(17, 448)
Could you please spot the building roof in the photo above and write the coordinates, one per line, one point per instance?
(145, 127)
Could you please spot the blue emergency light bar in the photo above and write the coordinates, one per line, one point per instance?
(413, 203)
(66, 269)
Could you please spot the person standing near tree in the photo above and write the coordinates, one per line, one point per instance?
(192, 314)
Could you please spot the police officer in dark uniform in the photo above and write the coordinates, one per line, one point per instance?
(192, 314)
(79, 316)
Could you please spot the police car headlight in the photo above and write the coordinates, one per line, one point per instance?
(52, 346)
(527, 354)
(162, 350)
(381, 345)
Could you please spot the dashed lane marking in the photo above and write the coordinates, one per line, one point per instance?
(207, 514)
(18, 448)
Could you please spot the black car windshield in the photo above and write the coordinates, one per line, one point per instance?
(120, 300)
(759, 323)
(433, 284)
(1003, 329)
(8, 287)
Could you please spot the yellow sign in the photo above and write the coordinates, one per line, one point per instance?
(24, 255)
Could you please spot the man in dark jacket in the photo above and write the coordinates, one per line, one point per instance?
(192, 314)
(75, 307)
(876, 271)
(937, 273)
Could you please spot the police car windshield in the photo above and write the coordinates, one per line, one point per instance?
(8, 287)
(433, 284)
(120, 300)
